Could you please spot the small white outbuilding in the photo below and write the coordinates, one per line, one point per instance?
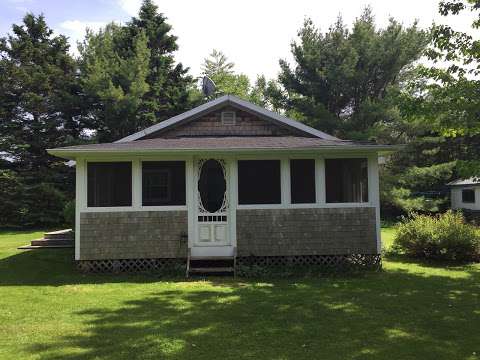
(465, 194)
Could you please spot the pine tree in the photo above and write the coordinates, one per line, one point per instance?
(341, 80)
(39, 109)
(115, 79)
(170, 86)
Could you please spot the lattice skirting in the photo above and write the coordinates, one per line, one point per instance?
(327, 262)
(132, 265)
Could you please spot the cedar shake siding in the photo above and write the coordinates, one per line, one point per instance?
(314, 231)
(269, 232)
(211, 125)
(133, 235)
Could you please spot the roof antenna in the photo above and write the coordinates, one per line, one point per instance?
(208, 87)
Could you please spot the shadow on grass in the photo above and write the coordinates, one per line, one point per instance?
(54, 267)
(394, 315)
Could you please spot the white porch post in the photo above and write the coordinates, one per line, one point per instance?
(285, 181)
(374, 194)
(233, 195)
(80, 200)
(320, 181)
(191, 203)
(136, 184)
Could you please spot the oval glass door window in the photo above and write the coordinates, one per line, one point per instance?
(212, 185)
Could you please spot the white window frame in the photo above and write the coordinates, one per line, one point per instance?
(320, 188)
(82, 179)
(168, 174)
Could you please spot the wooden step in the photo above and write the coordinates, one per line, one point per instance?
(208, 258)
(52, 242)
(66, 234)
(32, 247)
(203, 270)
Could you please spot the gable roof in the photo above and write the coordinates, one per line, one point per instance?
(232, 101)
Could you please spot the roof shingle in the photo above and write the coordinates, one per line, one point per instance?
(220, 143)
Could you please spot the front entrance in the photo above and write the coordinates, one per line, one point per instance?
(212, 209)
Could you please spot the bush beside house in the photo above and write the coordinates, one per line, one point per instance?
(446, 236)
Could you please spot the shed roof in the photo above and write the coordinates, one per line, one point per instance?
(465, 182)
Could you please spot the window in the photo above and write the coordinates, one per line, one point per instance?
(259, 182)
(468, 196)
(346, 180)
(163, 183)
(228, 117)
(302, 181)
(109, 184)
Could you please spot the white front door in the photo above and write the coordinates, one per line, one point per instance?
(212, 210)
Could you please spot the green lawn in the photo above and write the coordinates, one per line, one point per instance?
(411, 310)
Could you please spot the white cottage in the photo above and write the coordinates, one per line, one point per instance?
(465, 194)
(227, 180)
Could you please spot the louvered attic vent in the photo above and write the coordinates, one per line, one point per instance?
(228, 117)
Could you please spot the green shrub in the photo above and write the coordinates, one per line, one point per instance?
(446, 236)
(69, 213)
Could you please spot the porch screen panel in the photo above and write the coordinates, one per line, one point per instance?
(259, 182)
(109, 184)
(346, 180)
(302, 181)
(163, 183)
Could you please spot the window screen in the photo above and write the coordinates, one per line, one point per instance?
(163, 183)
(468, 196)
(346, 180)
(109, 184)
(302, 181)
(259, 182)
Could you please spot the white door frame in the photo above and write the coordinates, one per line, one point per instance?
(224, 249)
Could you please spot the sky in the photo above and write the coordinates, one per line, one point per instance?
(254, 34)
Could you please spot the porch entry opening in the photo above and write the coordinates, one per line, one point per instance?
(212, 201)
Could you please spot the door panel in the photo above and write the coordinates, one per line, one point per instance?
(212, 203)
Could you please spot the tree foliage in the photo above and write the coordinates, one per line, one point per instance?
(130, 76)
(40, 108)
(222, 71)
(115, 78)
(341, 79)
(449, 101)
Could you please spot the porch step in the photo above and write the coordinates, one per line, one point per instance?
(207, 270)
(65, 234)
(211, 265)
(213, 258)
(52, 240)
(33, 247)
